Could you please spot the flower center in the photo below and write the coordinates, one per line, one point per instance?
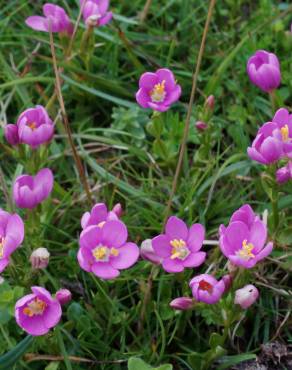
(101, 224)
(32, 125)
(2, 240)
(35, 307)
(103, 253)
(245, 251)
(204, 285)
(285, 133)
(179, 249)
(158, 93)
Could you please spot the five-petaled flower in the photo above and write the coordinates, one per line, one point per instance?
(38, 312)
(243, 240)
(11, 236)
(158, 90)
(179, 247)
(104, 250)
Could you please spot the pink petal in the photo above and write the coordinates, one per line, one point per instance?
(143, 98)
(128, 255)
(147, 81)
(196, 237)
(258, 235)
(172, 266)
(194, 259)
(37, 23)
(176, 229)
(114, 233)
(104, 271)
(161, 246)
(90, 237)
(84, 264)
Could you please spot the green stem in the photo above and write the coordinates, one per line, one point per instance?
(63, 349)
(273, 101)
(275, 208)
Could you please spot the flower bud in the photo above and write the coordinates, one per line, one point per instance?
(1, 280)
(201, 126)
(246, 296)
(284, 174)
(227, 282)
(39, 258)
(118, 210)
(210, 102)
(63, 296)
(11, 134)
(147, 252)
(182, 303)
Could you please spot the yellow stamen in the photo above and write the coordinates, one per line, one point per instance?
(158, 93)
(179, 249)
(100, 253)
(101, 224)
(2, 240)
(115, 252)
(285, 133)
(32, 126)
(246, 250)
(35, 307)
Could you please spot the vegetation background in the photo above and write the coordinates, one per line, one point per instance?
(129, 163)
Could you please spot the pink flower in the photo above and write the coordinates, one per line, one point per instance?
(34, 127)
(55, 18)
(263, 69)
(242, 242)
(63, 296)
(98, 216)
(179, 247)
(207, 289)
(29, 191)
(11, 236)
(39, 258)
(95, 12)
(281, 126)
(246, 296)
(104, 250)
(182, 303)
(38, 312)
(147, 252)
(201, 126)
(158, 90)
(118, 210)
(284, 174)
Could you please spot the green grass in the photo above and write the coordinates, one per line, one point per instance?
(115, 143)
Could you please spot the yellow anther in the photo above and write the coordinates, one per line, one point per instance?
(158, 93)
(2, 240)
(179, 249)
(101, 224)
(285, 133)
(100, 253)
(35, 307)
(115, 252)
(245, 251)
(32, 126)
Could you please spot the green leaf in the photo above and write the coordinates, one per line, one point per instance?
(135, 363)
(228, 361)
(215, 340)
(11, 357)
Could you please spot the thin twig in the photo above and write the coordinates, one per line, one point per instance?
(30, 357)
(188, 119)
(145, 11)
(66, 121)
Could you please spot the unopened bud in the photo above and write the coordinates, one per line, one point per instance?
(1, 280)
(246, 296)
(39, 258)
(147, 252)
(63, 296)
(182, 303)
(210, 102)
(11, 134)
(118, 210)
(227, 282)
(201, 126)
